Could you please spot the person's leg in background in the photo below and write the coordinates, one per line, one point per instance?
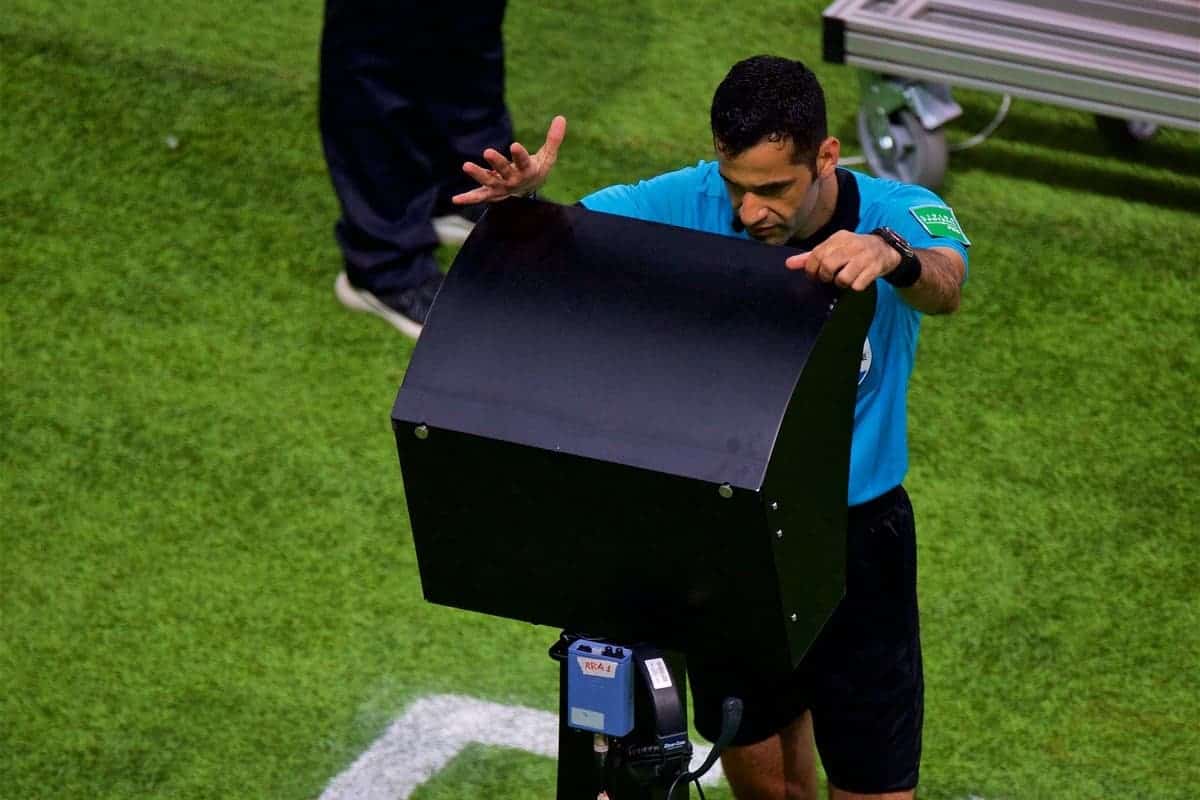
(468, 111)
(378, 138)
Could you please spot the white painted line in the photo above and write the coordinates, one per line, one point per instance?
(435, 729)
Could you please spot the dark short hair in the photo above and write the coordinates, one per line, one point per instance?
(773, 99)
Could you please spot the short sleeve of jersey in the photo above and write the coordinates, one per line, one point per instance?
(916, 213)
(684, 197)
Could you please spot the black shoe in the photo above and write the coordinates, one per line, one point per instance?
(406, 309)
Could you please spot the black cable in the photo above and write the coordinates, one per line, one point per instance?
(675, 783)
(685, 777)
(731, 718)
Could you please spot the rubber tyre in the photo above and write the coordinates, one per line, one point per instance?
(921, 158)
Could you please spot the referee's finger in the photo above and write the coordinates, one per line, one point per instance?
(498, 162)
(481, 175)
(554, 136)
(797, 262)
(480, 195)
(520, 156)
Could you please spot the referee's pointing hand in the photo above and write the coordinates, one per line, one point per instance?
(850, 260)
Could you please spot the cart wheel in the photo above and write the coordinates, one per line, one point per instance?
(906, 152)
(1125, 134)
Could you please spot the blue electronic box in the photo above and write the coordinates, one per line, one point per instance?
(600, 687)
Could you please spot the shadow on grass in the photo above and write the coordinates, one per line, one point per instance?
(1074, 132)
(1048, 168)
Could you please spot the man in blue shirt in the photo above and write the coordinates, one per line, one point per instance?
(858, 694)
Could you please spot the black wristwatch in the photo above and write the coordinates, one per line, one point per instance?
(909, 270)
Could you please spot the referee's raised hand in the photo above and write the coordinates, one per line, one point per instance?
(521, 176)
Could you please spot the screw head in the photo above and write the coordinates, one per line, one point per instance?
(795, 618)
(779, 533)
(774, 506)
(421, 432)
(725, 490)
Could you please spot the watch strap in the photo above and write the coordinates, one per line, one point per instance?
(908, 271)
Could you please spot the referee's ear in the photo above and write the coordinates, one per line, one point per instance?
(828, 153)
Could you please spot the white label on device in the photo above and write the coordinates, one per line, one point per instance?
(595, 668)
(587, 719)
(660, 676)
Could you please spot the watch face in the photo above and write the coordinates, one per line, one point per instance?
(897, 241)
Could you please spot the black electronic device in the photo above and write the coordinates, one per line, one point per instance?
(636, 431)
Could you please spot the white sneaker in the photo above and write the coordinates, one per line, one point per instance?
(453, 229)
(406, 312)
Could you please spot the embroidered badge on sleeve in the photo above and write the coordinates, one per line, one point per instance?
(940, 221)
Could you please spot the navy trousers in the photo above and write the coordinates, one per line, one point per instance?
(408, 92)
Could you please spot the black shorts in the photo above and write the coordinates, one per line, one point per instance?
(862, 677)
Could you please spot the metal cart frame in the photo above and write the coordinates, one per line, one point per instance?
(1136, 62)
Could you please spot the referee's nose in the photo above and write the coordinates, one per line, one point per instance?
(752, 211)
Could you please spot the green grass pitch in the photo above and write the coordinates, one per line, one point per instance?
(207, 581)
